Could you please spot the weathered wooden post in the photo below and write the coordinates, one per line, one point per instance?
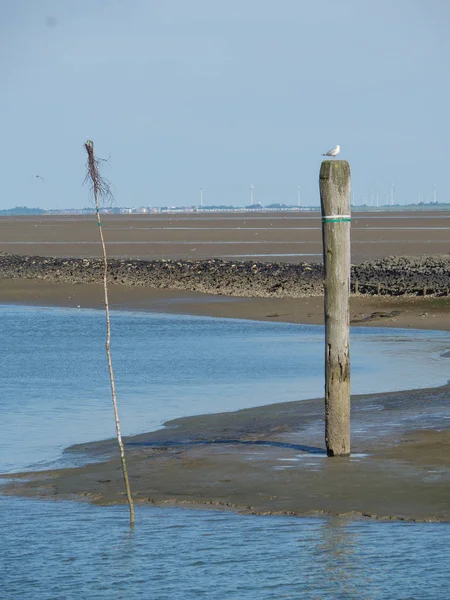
(335, 204)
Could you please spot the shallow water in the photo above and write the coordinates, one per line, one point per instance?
(54, 385)
(54, 391)
(68, 551)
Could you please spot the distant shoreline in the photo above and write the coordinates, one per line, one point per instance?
(219, 209)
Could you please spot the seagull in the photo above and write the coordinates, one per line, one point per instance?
(39, 177)
(333, 152)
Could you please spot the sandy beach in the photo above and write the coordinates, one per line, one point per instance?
(400, 466)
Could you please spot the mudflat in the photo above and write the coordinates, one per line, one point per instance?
(269, 459)
(276, 236)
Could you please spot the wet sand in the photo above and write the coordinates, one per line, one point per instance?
(269, 459)
(279, 236)
(378, 311)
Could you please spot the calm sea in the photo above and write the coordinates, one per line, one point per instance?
(54, 391)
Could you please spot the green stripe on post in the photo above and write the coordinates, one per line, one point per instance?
(335, 219)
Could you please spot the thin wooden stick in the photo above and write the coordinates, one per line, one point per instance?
(100, 188)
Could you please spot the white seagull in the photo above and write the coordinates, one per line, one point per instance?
(333, 152)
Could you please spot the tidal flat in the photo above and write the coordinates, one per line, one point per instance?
(268, 459)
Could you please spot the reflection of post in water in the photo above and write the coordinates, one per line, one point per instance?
(335, 203)
(337, 551)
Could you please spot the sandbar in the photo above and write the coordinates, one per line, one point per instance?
(270, 460)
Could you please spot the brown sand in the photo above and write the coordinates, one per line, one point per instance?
(263, 236)
(378, 311)
(229, 460)
(270, 460)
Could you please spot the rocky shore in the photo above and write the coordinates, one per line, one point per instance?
(391, 276)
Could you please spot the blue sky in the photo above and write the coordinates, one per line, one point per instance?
(184, 94)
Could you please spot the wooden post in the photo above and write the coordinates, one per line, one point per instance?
(335, 204)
